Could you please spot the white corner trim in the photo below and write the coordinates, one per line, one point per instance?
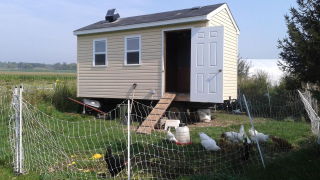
(125, 49)
(225, 6)
(94, 53)
(143, 25)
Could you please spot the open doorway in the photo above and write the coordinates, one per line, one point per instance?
(177, 61)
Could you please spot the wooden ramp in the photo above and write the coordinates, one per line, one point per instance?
(148, 124)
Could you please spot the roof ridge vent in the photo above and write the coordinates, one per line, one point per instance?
(195, 8)
(111, 15)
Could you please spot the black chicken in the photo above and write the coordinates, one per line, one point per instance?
(245, 150)
(114, 165)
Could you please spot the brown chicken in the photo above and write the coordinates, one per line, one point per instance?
(228, 147)
(281, 143)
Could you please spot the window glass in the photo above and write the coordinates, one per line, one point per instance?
(133, 57)
(100, 52)
(100, 59)
(133, 44)
(100, 46)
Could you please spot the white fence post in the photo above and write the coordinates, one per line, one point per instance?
(15, 101)
(129, 138)
(269, 99)
(239, 97)
(20, 133)
(245, 101)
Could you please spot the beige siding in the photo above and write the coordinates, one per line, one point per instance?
(230, 53)
(115, 81)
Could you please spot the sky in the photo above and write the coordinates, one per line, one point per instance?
(42, 30)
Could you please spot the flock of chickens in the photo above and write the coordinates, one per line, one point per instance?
(230, 141)
(237, 141)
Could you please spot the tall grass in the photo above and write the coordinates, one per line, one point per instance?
(53, 95)
(60, 96)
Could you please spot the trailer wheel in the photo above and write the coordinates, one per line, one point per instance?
(177, 111)
(194, 116)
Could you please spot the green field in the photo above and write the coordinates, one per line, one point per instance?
(52, 144)
(38, 70)
(27, 77)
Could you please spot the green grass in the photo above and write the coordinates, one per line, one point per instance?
(74, 138)
(71, 137)
(303, 164)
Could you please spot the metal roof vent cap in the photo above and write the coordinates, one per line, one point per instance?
(195, 8)
(111, 16)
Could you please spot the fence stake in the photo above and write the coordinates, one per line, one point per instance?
(128, 139)
(20, 132)
(269, 99)
(15, 95)
(254, 131)
(240, 100)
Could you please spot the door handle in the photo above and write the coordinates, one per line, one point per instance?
(220, 70)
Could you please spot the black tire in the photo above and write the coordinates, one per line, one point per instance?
(177, 111)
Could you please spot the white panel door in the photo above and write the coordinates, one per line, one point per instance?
(207, 64)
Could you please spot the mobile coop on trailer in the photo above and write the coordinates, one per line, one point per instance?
(188, 57)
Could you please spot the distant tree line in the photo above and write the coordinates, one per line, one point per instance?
(24, 65)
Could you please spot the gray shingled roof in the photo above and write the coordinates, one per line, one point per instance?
(178, 14)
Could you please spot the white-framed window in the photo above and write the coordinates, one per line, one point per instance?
(132, 50)
(100, 52)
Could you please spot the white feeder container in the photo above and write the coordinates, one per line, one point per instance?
(183, 133)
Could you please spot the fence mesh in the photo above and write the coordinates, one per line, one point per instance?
(84, 147)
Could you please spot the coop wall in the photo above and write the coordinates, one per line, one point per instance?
(116, 80)
(230, 69)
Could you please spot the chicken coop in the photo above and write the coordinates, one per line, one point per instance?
(186, 58)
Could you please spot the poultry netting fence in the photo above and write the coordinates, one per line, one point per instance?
(222, 140)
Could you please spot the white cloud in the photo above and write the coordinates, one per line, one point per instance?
(268, 65)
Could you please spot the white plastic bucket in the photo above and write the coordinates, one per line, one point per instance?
(183, 133)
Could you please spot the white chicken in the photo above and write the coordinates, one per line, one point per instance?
(260, 136)
(237, 111)
(252, 133)
(233, 137)
(204, 115)
(208, 142)
(243, 132)
(171, 137)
